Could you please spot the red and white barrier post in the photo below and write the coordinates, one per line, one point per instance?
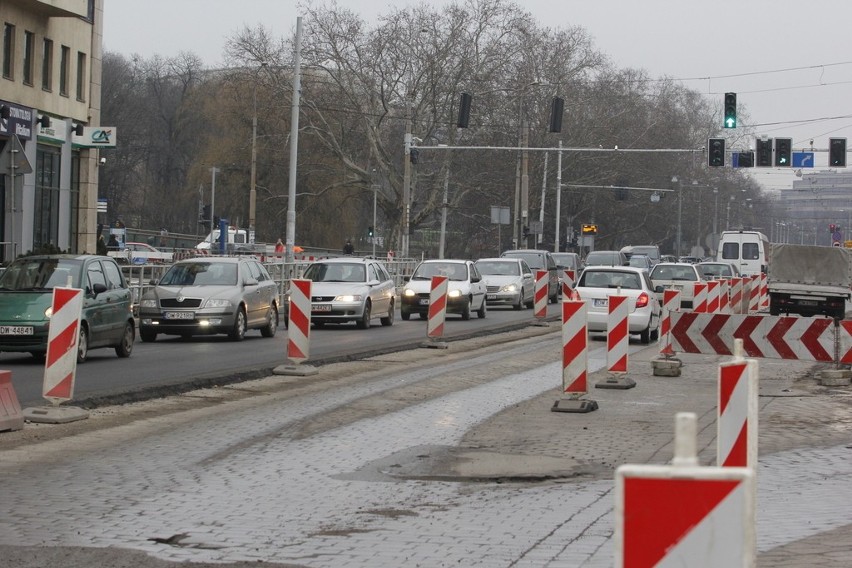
(617, 342)
(684, 514)
(437, 313)
(754, 294)
(713, 297)
(569, 294)
(736, 302)
(699, 297)
(667, 365)
(724, 297)
(11, 417)
(737, 411)
(60, 365)
(764, 291)
(298, 330)
(575, 356)
(540, 305)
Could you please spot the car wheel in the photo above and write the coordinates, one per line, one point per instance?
(531, 303)
(83, 345)
(238, 332)
(125, 348)
(388, 319)
(271, 323)
(465, 314)
(520, 303)
(405, 314)
(655, 334)
(147, 335)
(364, 322)
(480, 313)
(645, 335)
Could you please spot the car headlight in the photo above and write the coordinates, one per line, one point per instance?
(218, 303)
(48, 312)
(347, 298)
(408, 292)
(509, 288)
(148, 303)
(454, 293)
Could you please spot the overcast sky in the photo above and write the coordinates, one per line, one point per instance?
(788, 61)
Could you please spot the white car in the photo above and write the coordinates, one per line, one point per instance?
(680, 276)
(598, 283)
(465, 289)
(508, 281)
(350, 289)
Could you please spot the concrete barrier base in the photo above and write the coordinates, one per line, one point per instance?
(294, 370)
(55, 414)
(666, 367)
(574, 405)
(616, 382)
(835, 378)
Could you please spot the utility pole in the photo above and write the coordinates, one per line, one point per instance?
(294, 144)
(558, 197)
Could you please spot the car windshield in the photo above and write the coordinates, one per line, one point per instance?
(454, 271)
(201, 274)
(647, 251)
(496, 268)
(534, 260)
(336, 272)
(563, 260)
(674, 273)
(639, 261)
(715, 270)
(610, 279)
(40, 274)
(602, 258)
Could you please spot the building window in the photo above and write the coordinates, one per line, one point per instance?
(81, 76)
(47, 65)
(8, 51)
(29, 56)
(46, 209)
(63, 70)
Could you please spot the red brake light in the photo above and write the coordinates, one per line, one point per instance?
(642, 300)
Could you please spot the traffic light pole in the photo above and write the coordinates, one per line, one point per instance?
(558, 197)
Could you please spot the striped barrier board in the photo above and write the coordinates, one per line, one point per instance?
(617, 336)
(699, 298)
(60, 365)
(671, 303)
(437, 307)
(737, 414)
(736, 295)
(575, 353)
(713, 297)
(541, 283)
(775, 337)
(724, 297)
(299, 328)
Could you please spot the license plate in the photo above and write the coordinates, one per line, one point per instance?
(808, 302)
(424, 301)
(601, 303)
(491, 296)
(320, 307)
(16, 330)
(179, 315)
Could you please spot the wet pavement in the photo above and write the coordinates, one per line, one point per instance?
(421, 458)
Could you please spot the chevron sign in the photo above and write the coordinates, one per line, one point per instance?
(774, 337)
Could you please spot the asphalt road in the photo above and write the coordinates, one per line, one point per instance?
(173, 364)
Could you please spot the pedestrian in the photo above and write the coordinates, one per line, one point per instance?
(101, 246)
(279, 247)
(112, 244)
(164, 235)
(348, 248)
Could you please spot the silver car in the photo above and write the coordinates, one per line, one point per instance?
(350, 289)
(202, 296)
(508, 281)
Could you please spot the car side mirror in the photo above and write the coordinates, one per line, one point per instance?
(659, 289)
(153, 282)
(406, 278)
(475, 278)
(251, 282)
(373, 283)
(98, 288)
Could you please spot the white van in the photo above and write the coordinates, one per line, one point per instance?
(747, 250)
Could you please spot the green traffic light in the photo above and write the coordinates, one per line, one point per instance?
(730, 122)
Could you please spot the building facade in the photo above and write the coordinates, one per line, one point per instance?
(50, 98)
(817, 201)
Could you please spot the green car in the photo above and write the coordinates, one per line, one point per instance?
(26, 294)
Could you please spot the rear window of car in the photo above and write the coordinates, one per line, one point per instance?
(610, 279)
(686, 273)
(534, 260)
(494, 268)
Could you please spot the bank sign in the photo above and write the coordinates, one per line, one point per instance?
(19, 122)
(96, 137)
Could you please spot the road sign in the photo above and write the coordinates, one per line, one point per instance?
(803, 159)
(13, 159)
(102, 205)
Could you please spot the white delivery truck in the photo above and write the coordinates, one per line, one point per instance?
(809, 280)
(235, 238)
(747, 250)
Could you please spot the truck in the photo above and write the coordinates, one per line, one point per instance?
(809, 280)
(235, 238)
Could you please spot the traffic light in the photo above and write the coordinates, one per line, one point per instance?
(730, 110)
(837, 152)
(464, 110)
(370, 231)
(413, 154)
(205, 215)
(716, 152)
(556, 108)
(783, 151)
(745, 160)
(764, 153)
(526, 232)
(590, 229)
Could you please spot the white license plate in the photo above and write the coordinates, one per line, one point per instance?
(179, 315)
(808, 302)
(320, 307)
(16, 330)
(424, 301)
(491, 297)
(601, 302)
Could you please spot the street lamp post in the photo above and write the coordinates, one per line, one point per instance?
(213, 172)
(676, 181)
(253, 182)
